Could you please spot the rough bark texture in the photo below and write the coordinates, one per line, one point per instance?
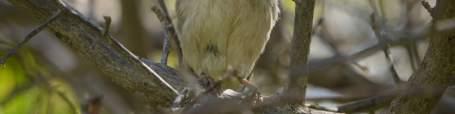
(300, 48)
(121, 66)
(437, 71)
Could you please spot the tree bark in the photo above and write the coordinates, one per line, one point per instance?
(300, 49)
(436, 72)
(117, 63)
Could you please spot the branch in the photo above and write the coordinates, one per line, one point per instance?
(437, 71)
(27, 38)
(171, 34)
(427, 6)
(329, 62)
(378, 30)
(117, 63)
(371, 103)
(300, 49)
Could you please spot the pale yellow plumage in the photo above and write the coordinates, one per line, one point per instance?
(215, 34)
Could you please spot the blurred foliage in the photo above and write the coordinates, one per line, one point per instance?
(27, 87)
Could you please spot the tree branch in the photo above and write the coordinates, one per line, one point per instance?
(116, 62)
(295, 92)
(300, 49)
(437, 71)
(171, 34)
(371, 103)
(27, 38)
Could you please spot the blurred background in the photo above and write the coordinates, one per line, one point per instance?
(359, 48)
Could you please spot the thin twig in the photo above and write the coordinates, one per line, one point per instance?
(377, 24)
(388, 53)
(320, 108)
(29, 36)
(166, 51)
(171, 34)
(373, 102)
(427, 6)
(107, 21)
(65, 98)
(413, 55)
(329, 62)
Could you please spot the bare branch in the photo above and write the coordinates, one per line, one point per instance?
(378, 30)
(29, 37)
(370, 103)
(171, 34)
(436, 72)
(107, 26)
(300, 49)
(67, 100)
(427, 6)
(120, 65)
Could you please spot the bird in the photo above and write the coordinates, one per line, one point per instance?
(222, 36)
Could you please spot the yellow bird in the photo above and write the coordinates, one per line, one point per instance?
(217, 35)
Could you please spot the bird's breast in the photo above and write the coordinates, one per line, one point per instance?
(217, 34)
